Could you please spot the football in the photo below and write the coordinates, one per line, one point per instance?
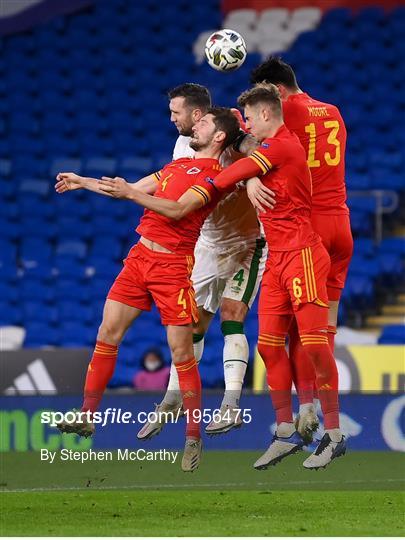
(225, 50)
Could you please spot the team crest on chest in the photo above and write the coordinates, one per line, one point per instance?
(194, 170)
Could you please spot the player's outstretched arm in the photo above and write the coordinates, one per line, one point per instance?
(68, 181)
(71, 181)
(118, 188)
(240, 170)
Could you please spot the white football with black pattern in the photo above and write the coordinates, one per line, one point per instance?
(225, 50)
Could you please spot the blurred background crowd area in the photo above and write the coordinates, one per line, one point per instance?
(83, 88)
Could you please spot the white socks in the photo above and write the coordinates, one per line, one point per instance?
(235, 358)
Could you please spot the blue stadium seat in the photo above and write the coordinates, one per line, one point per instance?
(37, 228)
(364, 247)
(123, 376)
(35, 289)
(72, 289)
(391, 265)
(107, 246)
(393, 245)
(74, 334)
(7, 293)
(358, 291)
(42, 270)
(74, 311)
(99, 287)
(73, 228)
(37, 311)
(9, 314)
(71, 248)
(39, 334)
(31, 205)
(67, 266)
(65, 164)
(9, 273)
(392, 335)
(361, 266)
(9, 230)
(102, 267)
(34, 251)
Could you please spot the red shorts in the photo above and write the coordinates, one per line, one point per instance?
(163, 278)
(294, 278)
(337, 238)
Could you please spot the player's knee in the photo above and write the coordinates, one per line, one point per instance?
(321, 358)
(110, 332)
(271, 348)
(233, 311)
(181, 352)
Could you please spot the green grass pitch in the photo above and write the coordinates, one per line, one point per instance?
(361, 494)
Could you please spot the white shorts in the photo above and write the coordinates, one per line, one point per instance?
(234, 274)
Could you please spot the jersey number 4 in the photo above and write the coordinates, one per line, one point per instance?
(333, 127)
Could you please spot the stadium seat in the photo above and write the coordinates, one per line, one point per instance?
(70, 311)
(34, 251)
(393, 245)
(38, 311)
(10, 314)
(39, 334)
(72, 289)
(74, 334)
(392, 335)
(72, 248)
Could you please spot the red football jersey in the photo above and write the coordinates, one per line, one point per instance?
(285, 171)
(175, 179)
(322, 132)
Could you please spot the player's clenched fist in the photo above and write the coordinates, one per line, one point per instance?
(68, 182)
(115, 187)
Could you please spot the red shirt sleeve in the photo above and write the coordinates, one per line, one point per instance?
(243, 169)
(204, 187)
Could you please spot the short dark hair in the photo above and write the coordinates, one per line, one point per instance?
(262, 93)
(225, 121)
(274, 71)
(195, 95)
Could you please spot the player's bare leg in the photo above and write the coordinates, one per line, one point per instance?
(172, 401)
(235, 359)
(117, 318)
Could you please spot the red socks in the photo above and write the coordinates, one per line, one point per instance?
(279, 374)
(190, 387)
(100, 371)
(317, 347)
(331, 337)
(303, 369)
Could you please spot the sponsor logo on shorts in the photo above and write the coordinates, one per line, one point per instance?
(182, 315)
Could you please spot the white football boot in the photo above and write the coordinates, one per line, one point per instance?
(171, 413)
(326, 451)
(280, 448)
(222, 422)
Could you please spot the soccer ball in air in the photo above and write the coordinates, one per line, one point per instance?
(225, 50)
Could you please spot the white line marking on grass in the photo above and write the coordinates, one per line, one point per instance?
(196, 486)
